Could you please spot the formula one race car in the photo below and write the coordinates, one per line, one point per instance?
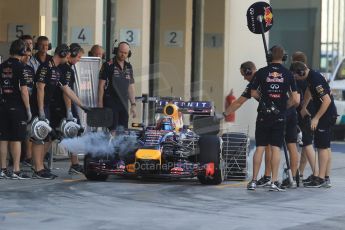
(167, 149)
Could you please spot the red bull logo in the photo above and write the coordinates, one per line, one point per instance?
(275, 74)
(275, 77)
(268, 16)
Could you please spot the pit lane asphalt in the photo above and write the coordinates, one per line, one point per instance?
(72, 202)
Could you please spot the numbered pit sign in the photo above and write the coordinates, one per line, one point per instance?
(213, 40)
(131, 36)
(173, 38)
(15, 31)
(82, 35)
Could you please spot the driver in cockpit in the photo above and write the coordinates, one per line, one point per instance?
(166, 123)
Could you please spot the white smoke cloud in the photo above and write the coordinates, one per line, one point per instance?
(101, 143)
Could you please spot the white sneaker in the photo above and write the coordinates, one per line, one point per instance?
(19, 176)
(276, 187)
(251, 185)
(4, 174)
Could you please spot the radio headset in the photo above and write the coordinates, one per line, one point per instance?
(116, 48)
(62, 50)
(270, 56)
(18, 47)
(247, 71)
(74, 49)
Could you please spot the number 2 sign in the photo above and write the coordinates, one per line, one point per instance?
(82, 35)
(173, 38)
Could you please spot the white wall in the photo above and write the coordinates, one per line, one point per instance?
(241, 45)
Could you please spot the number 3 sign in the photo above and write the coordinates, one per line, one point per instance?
(131, 36)
(82, 35)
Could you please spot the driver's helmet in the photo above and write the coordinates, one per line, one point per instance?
(166, 123)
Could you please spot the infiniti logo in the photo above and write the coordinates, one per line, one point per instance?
(274, 86)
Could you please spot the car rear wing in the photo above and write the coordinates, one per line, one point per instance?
(201, 108)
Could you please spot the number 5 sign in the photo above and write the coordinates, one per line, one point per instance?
(15, 31)
(82, 35)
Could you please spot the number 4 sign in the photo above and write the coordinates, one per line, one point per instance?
(82, 35)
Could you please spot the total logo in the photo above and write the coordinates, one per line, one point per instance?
(274, 86)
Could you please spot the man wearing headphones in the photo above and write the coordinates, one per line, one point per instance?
(14, 109)
(47, 80)
(61, 105)
(42, 46)
(308, 152)
(275, 83)
(116, 86)
(248, 70)
(326, 114)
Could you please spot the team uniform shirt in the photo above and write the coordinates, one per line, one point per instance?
(246, 92)
(12, 78)
(319, 88)
(117, 82)
(51, 76)
(69, 79)
(12, 110)
(57, 105)
(275, 82)
(38, 60)
(29, 74)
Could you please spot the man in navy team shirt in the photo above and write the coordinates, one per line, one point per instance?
(275, 83)
(324, 118)
(14, 109)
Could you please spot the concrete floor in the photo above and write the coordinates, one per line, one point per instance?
(71, 202)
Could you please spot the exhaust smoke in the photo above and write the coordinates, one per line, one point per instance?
(101, 143)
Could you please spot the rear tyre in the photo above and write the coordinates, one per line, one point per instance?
(90, 174)
(210, 151)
